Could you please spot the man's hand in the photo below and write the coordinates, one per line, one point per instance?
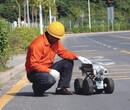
(84, 60)
(55, 73)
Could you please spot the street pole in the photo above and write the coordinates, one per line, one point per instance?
(50, 15)
(89, 15)
(41, 22)
(54, 16)
(70, 24)
(28, 14)
(82, 18)
(82, 21)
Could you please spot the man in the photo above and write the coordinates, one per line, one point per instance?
(40, 66)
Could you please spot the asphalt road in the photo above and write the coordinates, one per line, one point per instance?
(112, 50)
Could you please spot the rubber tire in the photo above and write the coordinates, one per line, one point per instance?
(88, 87)
(78, 86)
(109, 88)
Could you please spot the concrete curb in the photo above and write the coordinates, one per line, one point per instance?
(93, 33)
(10, 74)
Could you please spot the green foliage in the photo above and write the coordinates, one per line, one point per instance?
(45, 5)
(71, 9)
(15, 42)
(20, 38)
(81, 29)
(8, 10)
(4, 48)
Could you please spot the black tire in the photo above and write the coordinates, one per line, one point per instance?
(88, 87)
(78, 86)
(109, 85)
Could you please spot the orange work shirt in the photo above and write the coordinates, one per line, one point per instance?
(41, 54)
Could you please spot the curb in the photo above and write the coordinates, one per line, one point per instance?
(10, 74)
(93, 33)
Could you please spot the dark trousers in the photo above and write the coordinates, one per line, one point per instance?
(44, 81)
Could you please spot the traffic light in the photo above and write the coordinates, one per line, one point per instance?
(109, 3)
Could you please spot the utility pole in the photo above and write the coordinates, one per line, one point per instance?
(50, 15)
(89, 15)
(54, 16)
(110, 13)
(41, 22)
(28, 14)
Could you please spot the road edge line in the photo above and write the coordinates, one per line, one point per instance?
(12, 92)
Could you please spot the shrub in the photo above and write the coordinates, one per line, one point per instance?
(15, 42)
(20, 38)
(4, 48)
(75, 30)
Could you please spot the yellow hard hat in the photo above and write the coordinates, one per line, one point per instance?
(56, 29)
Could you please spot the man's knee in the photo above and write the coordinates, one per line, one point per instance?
(51, 81)
(46, 84)
(45, 80)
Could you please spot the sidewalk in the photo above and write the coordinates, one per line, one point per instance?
(16, 60)
(17, 63)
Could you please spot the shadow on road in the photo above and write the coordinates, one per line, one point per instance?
(30, 94)
(22, 94)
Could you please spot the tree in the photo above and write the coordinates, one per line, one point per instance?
(25, 12)
(8, 10)
(19, 2)
(45, 6)
(75, 12)
(109, 3)
(63, 9)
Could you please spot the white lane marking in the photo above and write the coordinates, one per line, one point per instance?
(84, 51)
(115, 48)
(98, 57)
(102, 61)
(80, 46)
(125, 43)
(109, 46)
(100, 44)
(106, 45)
(107, 63)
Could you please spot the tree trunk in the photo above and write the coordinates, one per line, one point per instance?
(25, 13)
(32, 16)
(36, 21)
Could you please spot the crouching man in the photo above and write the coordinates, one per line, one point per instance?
(41, 69)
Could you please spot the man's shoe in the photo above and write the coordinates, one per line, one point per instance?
(63, 91)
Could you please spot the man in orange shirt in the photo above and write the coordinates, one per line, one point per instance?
(40, 66)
